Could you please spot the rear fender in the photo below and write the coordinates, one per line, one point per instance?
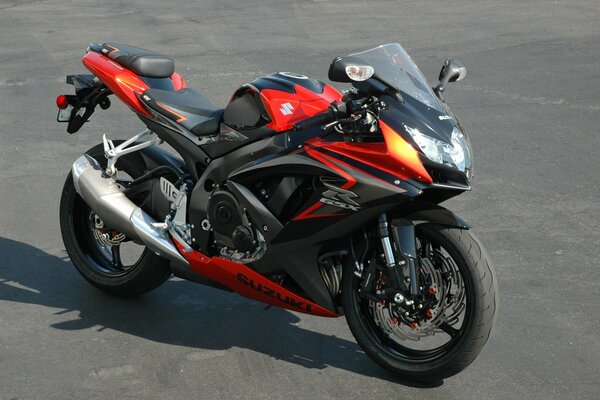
(155, 156)
(89, 92)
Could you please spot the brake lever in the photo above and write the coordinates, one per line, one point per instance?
(329, 127)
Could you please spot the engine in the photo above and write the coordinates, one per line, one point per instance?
(234, 235)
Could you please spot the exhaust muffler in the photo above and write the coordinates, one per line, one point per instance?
(103, 195)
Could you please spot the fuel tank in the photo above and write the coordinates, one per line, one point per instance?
(278, 101)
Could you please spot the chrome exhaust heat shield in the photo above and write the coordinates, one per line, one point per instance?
(103, 196)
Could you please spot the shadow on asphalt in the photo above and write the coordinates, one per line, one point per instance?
(178, 313)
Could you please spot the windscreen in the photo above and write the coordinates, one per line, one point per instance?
(394, 66)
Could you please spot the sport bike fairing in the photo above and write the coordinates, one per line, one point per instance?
(393, 65)
(352, 181)
(421, 117)
(420, 108)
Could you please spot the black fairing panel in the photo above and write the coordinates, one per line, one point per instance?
(191, 109)
(293, 245)
(218, 171)
(417, 115)
(226, 145)
(288, 164)
(299, 244)
(435, 124)
(245, 110)
(285, 81)
(194, 157)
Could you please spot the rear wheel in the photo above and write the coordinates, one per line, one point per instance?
(451, 320)
(107, 258)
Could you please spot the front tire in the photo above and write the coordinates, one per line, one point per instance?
(96, 251)
(384, 342)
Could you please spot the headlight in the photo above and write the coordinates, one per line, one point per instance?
(457, 154)
(460, 152)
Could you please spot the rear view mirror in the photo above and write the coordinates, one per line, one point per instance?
(349, 69)
(452, 71)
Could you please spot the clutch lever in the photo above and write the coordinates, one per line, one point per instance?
(330, 127)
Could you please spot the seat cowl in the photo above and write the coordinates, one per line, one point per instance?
(143, 62)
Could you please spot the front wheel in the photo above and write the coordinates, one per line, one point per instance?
(451, 319)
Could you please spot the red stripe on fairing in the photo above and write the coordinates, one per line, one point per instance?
(180, 118)
(247, 282)
(359, 170)
(305, 213)
(112, 51)
(395, 156)
(350, 181)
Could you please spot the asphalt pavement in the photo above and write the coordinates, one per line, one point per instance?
(530, 103)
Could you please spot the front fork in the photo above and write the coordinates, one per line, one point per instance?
(403, 232)
(403, 235)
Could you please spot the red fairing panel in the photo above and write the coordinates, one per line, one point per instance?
(285, 109)
(121, 81)
(249, 283)
(395, 156)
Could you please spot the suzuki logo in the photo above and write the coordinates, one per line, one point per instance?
(339, 197)
(286, 108)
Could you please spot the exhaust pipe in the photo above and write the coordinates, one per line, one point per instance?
(103, 196)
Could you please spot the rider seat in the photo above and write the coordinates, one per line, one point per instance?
(187, 107)
(143, 62)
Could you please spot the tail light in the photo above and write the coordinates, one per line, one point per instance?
(61, 102)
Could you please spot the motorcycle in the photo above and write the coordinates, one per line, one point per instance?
(294, 194)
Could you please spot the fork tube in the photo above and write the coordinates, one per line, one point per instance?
(386, 243)
(404, 238)
(389, 255)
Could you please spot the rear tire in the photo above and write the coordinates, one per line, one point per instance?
(144, 275)
(480, 313)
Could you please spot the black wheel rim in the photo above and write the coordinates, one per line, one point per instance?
(111, 261)
(391, 347)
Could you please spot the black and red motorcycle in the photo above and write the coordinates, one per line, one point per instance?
(294, 194)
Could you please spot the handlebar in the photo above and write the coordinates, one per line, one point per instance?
(335, 111)
(319, 119)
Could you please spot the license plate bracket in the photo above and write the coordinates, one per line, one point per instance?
(64, 115)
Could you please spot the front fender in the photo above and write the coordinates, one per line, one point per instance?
(434, 214)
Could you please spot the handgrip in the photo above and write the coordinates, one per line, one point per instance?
(319, 119)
